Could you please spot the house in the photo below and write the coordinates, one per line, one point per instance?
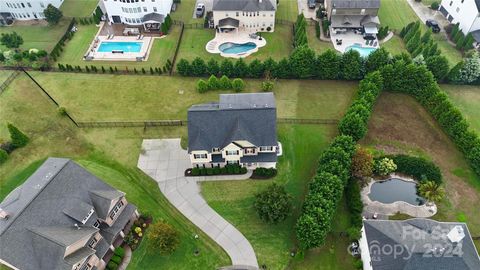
(418, 243)
(63, 217)
(240, 129)
(245, 15)
(24, 9)
(464, 12)
(147, 13)
(356, 15)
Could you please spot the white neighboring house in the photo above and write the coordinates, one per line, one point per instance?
(24, 9)
(137, 12)
(464, 12)
(247, 15)
(240, 129)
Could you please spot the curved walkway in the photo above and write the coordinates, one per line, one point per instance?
(126, 258)
(166, 162)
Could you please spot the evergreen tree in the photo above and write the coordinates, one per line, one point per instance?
(212, 67)
(19, 139)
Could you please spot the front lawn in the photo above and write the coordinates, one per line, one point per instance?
(467, 99)
(89, 97)
(400, 125)
(52, 135)
(78, 8)
(233, 200)
(39, 36)
(74, 50)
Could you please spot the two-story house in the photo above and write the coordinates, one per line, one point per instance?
(247, 15)
(24, 9)
(464, 12)
(358, 15)
(240, 129)
(63, 217)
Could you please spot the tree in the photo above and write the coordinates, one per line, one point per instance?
(213, 83)
(3, 156)
(438, 65)
(11, 40)
(52, 14)
(199, 68)
(414, 42)
(377, 59)
(238, 84)
(212, 67)
(255, 69)
(467, 71)
(328, 65)
(362, 163)
(226, 68)
(273, 204)
(431, 191)
(225, 82)
(353, 125)
(202, 86)
(184, 68)
(351, 67)
(19, 139)
(302, 62)
(385, 166)
(162, 238)
(240, 69)
(427, 36)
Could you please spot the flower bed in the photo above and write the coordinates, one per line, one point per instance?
(136, 234)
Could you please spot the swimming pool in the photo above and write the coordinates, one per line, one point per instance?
(126, 47)
(235, 48)
(395, 189)
(364, 51)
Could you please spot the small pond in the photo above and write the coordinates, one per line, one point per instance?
(393, 190)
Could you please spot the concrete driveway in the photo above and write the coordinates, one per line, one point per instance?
(165, 161)
(424, 13)
(309, 13)
(208, 7)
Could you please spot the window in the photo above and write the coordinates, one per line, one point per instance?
(23, 5)
(28, 4)
(266, 148)
(237, 14)
(144, 9)
(199, 156)
(92, 242)
(334, 11)
(88, 216)
(215, 149)
(115, 209)
(232, 153)
(154, 9)
(96, 224)
(451, 3)
(139, 9)
(251, 150)
(362, 11)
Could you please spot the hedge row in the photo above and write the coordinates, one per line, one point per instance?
(300, 32)
(417, 167)
(354, 203)
(417, 81)
(228, 169)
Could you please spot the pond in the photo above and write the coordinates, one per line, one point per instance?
(395, 189)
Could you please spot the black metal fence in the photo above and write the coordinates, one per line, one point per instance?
(9, 80)
(182, 25)
(307, 121)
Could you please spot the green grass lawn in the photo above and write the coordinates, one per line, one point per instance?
(287, 10)
(162, 49)
(52, 135)
(4, 75)
(398, 13)
(88, 97)
(233, 200)
(184, 12)
(395, 45)
(319, 46)
(78, 8)
(194, 42)
(40, 36)
(467, 99)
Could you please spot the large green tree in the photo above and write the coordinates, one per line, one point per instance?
(273, 204)
(11, 40)
(52, 14)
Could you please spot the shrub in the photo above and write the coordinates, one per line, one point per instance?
(238, 85)
(112, 265)
(18, 138)
(431, 191)
(225, 82)
(11, 40)
(435, 5)
(120, 251)
(202, 86)
(52, 14)
(195, 171)
(354, 203)
(163, 238)
(3, 156)
(62, 111)
(213, 83)
(209, 171)
(116, 259)
(273, 204)
(267, 86)
(362, 163)
(385, 166)
(417, 167)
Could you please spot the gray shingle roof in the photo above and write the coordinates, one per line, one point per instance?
(37, 231)
(355, 3)
(243, 5)
(236, 117)
(434, 234)
(476, 34)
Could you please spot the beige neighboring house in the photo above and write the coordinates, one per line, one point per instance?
(357, 15)
(63, 218)
(244, 15)
(240, 129)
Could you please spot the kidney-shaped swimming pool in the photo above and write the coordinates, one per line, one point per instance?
(235, 48)
(393, 190)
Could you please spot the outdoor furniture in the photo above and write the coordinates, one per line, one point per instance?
(141, 37)
(253, 36)
(375, 44)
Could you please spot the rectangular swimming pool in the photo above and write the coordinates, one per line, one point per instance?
(120, 46)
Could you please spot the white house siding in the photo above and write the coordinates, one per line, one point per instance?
(365, 251)
(465, 14)
(132, 11)
(194, 160)
(27, 9)
(248, 21)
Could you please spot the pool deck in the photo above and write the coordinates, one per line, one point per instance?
(349, 39)
(239, 37)
(423, 211)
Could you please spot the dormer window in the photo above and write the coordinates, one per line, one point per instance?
(115, 209)
(88, 216)
(96, 224)
(216, 149)
(92, 243)
(232, 153)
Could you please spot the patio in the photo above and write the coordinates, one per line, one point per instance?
(237, 36)
(349, 38)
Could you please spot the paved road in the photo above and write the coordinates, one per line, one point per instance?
(166, 162)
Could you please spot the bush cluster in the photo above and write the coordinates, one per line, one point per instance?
(417, 81)
(300, 32)
(37, 59)
(167, 23)
(382, 32)
(325, 191)
(224, 83)
(354, 203)
(302, 63)
(273, 204)
(417, 167)
(467, 71)
(458, 37)
(113, 70)
(228, 169)
(265, 172)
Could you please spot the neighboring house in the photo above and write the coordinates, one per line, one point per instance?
(358, 15)
(464, 12)
(63, 217)
(417, 244)
(245, 15)
(25, 9)
(147, 13)
(240, 129)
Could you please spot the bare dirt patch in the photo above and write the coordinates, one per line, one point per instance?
(400, 125)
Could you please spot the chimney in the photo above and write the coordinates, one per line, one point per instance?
(4, 214)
